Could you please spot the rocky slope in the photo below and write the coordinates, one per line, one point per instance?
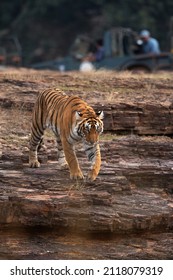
(127, 213)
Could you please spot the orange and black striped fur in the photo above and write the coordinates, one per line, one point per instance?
(72, 120)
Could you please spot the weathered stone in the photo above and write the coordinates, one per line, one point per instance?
(113, 203)
(127, 213)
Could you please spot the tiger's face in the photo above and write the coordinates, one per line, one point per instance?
(90, 127)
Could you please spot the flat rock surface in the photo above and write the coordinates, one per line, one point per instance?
(127, 213)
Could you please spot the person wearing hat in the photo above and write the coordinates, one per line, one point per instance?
(150, 45)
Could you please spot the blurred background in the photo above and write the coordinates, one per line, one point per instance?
(45, 29)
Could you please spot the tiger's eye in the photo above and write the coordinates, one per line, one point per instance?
(80, 114)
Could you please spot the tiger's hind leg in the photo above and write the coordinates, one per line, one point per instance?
(37, 130)
(33, 156)
(36, 142)
(41, 145)
(61, 156)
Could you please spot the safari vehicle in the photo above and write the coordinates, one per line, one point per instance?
(122, 52)
(10, 51)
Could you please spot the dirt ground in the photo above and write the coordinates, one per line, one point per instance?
(127, 213)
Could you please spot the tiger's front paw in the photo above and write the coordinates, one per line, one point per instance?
(92, 175)
(34, 163)
(76, 175)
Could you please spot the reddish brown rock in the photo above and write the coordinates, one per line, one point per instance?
(127, 213)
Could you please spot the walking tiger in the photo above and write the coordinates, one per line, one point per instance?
(72, 120)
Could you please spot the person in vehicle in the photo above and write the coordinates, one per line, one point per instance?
(149, 45)
(95, 54)
(99, 53)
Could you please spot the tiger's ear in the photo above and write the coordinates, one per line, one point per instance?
(78, 115)
(100, 115)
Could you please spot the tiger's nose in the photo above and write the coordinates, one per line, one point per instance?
(92, 142)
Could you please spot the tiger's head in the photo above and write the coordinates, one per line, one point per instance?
(89, 125)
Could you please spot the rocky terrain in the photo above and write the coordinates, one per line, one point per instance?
(127, 213)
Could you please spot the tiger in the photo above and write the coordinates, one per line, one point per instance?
(72, 121)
